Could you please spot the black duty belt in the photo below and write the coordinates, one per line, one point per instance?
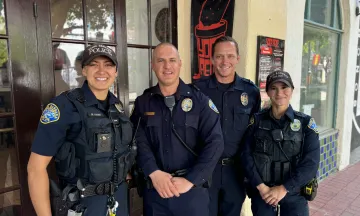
(97, 189)
(227, 161)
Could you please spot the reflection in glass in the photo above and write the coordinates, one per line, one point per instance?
(318, 75)
(10, 203)
(137, 22)
(67, 19)
(160, 22)
(138, 73)
(67, 66)
(100, 18)
(2, 18)
(321, 11)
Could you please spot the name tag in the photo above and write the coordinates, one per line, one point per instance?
(149, 113)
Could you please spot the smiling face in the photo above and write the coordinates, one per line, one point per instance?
(100, 74)
(166, 64)
(280, 94)
(224, 60)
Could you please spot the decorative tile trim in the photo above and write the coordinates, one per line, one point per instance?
(328, 156)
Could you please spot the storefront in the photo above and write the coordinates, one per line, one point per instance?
(41, 43)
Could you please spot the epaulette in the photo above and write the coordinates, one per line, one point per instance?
(194, 86)
(263, 111)
(76, 94)
(300, 114)
(248, 81)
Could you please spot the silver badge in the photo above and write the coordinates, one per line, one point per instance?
(186, 104)
(296, 125)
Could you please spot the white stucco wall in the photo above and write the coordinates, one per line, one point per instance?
(346, 80)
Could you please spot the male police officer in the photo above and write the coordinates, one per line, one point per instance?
(89, 136)
(237, 99)
(179, 140)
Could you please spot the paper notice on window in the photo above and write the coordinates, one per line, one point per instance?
(307, 109)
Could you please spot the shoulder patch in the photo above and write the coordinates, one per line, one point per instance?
(212, 106)
(312, 125)
(50, 114)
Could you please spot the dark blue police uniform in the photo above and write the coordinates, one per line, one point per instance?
(196, 120)
(62, 123)
(236, 102)
(292, 162)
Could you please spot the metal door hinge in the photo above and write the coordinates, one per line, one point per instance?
(35, 9)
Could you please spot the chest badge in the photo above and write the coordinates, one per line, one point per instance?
(296, 125)
(119, 107)
(244, 99)
(186, 104)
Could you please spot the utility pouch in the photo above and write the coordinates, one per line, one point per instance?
(140, 180)
(309, 191)
(65, 161)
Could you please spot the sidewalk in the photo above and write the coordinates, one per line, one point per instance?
(339, 194)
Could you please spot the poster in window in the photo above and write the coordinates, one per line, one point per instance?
(269, 58)
(210, 20)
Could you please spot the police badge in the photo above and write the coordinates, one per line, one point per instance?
(186, 104)
(119, 107)
(296, 125)
(244, 99)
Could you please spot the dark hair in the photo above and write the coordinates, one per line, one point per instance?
(224, 39)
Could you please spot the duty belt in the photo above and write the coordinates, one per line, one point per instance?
(226, 161)
(97, 189)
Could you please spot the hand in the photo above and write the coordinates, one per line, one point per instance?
(274, 195)
(182, 184)
(163, 185)
(263, 189)
(128, 178)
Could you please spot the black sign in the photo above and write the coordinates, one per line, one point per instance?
(209, 20)
(270, 57)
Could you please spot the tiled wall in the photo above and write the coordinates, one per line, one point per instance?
(328, 156)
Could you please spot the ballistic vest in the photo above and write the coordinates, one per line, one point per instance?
(102, 151)
(275, 160)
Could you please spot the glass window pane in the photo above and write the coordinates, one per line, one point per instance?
(10, 203)
(100, 18)
(67, 66)
(67, 19)
(318, 75)
(5, 88)
(137, 22)
(138, 72)
(160, 21)
(321, 11)
(8, 159)
(2, 18)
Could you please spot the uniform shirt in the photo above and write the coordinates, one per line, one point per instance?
(236, 104)
(308, 164)
(64, 122)
(197, 122)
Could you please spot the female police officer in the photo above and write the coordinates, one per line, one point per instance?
(89, 136)
(281, 152)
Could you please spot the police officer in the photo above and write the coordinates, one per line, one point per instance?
(179, 140)
(281, 152)
(236, 99)
(89, 136)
